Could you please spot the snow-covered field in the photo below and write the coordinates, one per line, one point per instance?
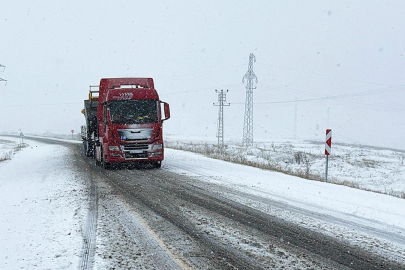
(42, 207)
(362, 167)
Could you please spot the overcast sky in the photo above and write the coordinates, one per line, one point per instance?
(350, 51)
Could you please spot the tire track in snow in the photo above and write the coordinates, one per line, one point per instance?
(90, 230)
(149, 195)
(316, 243)
(350, 222)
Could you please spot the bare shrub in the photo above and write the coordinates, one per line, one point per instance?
(299, 157)
(347, 183)
(208, 150)
(6, 156)
(307, 167)
(369, 163)
(241, 157)
(264, 154)
(20, 146)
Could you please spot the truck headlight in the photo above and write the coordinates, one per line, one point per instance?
(113, 148)
(157, 146)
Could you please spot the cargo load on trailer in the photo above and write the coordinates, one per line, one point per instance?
(124, 122)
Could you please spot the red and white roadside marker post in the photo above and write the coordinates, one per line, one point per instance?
(328, 150)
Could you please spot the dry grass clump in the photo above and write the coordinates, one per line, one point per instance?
(8, 155)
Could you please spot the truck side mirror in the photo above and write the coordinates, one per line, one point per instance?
(167, 111)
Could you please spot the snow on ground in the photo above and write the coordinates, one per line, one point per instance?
(357, 216)
(350, 212)
(7, 149)
(313, 195)
(43, 202)
(42, 205)
(364, 167)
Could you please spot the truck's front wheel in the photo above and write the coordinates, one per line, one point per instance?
(104, 163)
(95, 148)
(157, 164)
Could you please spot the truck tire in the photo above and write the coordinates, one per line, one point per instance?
(104, 164)
(88, 149)
(157, 164)
(85, 147)
(98, 163)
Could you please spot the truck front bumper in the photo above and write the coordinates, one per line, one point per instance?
(135, 153)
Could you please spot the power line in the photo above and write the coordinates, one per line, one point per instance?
(369, 92)
(295, 121)
(43, 104)
(323, 75)
(372, 91)
(317, 99)
(200, 89)
(199, 72)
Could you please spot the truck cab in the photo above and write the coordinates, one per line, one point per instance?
(129, 122)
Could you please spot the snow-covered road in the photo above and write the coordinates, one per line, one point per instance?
(44, 198)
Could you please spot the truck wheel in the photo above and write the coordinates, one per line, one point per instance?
(104, 164)
(158, 164)
(98, 163)
(88, 149)
(85, 147)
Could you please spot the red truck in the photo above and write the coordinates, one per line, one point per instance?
(124, 122)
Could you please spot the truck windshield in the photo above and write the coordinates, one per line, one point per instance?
(134, 111)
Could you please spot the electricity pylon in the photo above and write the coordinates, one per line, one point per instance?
(248, 121)
(221, 103)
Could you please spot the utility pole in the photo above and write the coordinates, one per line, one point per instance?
(4, 67)
(328, 113)
(221, 103)
(248, 120)
(295, 120)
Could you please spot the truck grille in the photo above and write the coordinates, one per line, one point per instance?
(135, 151)
(128, 147)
